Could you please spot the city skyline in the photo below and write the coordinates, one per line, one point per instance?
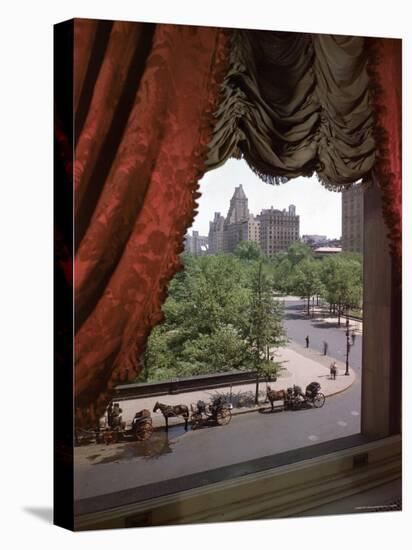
(319, 209)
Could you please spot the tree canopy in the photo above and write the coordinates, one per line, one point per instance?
(220, 314)
(210, 317)
(249, 250)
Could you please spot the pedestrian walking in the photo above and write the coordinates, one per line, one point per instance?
(325, 347)
(333, 370)
(353, 338)
(307, 341)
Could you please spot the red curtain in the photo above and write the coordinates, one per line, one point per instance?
(145, 96)
(386, 85)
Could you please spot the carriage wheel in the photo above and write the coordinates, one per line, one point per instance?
(144, 432)
(223, 417)
(195, 421)
(319, 400)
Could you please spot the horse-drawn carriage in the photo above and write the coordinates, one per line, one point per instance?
(293, 398)
(219, 412)
(296, 399)
(112, 428)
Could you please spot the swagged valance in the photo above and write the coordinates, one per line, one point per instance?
(159, 105)
(294, 104)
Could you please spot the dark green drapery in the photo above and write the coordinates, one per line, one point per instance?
(294, 104)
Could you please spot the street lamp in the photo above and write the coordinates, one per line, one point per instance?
(347, 346)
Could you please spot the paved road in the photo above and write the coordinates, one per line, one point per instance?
(101, 469)
(299, 326)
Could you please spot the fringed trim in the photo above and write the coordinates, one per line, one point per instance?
(278, 180)
(385, 178)
(265, 177)
(338, 188)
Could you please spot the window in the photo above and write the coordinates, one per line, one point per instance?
(375, 406)
(380, 414)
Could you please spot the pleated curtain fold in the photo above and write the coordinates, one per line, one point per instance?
(144, 119)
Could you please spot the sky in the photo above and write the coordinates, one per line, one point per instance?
(318, 208)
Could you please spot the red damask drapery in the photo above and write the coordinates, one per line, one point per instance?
(158, 105)
(386, 85)
(144, 119)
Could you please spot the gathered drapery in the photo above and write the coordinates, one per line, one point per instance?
(157, 106)
(295, 104)
(145, 117)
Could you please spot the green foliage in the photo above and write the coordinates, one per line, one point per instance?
(210, 318)
(220, 314)
(249, 250)
(285, 265)
(306, 280)
(351, 256)
(338, 279)
(223, 350)
(160, 361)
(282, 275)
(270, 368)
(266, 329)
(342, 281)
(297, 252)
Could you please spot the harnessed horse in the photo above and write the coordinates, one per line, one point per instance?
(275, 395)
(169, 411)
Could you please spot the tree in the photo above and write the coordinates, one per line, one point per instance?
(266, 327)
(285, 266)
(297, 252)
(206, 319)
(306, 280)
(160, 361)
(216, 295)
(249, 250)
(222, 351)
(282, 275)
(342, 282)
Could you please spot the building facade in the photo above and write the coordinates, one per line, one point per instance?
(196, 244)
(237, 216)
(216, 228)
(352, 219)
(273, 230)
(278, 229)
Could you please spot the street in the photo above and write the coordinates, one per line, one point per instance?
(105, 469)
(298, 326)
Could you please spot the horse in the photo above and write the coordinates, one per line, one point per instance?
(275, 395)
(172, 410)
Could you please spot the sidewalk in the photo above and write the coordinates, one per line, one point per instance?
(300, 367)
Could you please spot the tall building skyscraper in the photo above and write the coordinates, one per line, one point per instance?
(273, 230)
(352, 219)
(237, 216)
(238, 209)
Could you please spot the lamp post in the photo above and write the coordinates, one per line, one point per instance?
(347, 346)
